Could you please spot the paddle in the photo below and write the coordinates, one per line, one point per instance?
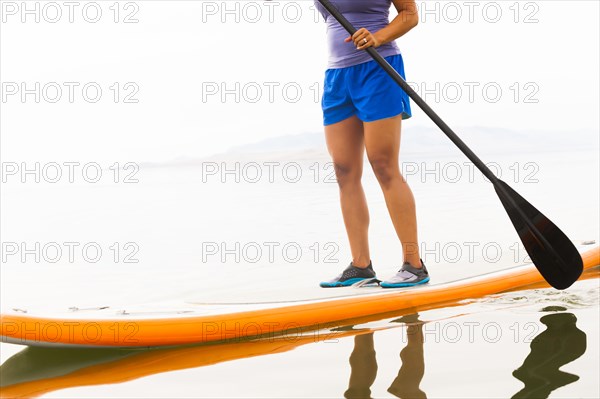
(551, 251)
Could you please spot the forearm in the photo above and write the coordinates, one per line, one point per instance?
(404, 22)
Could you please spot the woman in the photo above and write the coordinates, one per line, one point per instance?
(363, 109)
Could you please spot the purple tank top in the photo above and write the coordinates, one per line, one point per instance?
(370, 14)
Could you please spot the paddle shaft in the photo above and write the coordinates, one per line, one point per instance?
(413, 95)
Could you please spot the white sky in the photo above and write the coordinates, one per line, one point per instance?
(179, 49)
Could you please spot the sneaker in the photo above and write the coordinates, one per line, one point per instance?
(407, 276)
(351, 275)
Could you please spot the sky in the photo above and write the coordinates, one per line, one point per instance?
(155, 80)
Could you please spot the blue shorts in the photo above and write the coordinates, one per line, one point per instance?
(364, 90)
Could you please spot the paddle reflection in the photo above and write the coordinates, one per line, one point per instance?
(363, 364)
(561, 343)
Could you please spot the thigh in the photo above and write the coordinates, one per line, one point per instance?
(382, 139)
(345, 143)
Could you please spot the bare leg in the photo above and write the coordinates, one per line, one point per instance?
(382, 140)
(345, 142)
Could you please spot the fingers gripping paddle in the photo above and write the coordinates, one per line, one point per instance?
(551, 251)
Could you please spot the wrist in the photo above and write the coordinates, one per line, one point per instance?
(379, 38)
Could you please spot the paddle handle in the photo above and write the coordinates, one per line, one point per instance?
(413, 95)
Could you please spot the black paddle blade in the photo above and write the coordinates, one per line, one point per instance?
(551, 251)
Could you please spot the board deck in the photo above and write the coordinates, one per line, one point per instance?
(181, 323)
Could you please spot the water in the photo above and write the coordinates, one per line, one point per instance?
(538, 344)
(186, 231)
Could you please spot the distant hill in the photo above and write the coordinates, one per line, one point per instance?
(418, 141)
(421, 140)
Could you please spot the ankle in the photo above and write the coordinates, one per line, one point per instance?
(416, 263)
(361, 263)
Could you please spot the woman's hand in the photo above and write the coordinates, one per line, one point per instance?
(363, 39)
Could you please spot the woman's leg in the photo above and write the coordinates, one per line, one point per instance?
(382, 141)
(345, 142)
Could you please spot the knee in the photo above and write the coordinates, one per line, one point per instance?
(385, 169)
(346, 174)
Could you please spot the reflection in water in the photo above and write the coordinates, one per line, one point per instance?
(406, 384)
(364, 365)
(37, 371)
(37, 363)
(561, 343)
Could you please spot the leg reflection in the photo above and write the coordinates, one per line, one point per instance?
(364, 364)
(406, 384)
(363, 367)
(561, 343)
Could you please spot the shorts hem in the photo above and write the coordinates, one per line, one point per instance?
(405, 115)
